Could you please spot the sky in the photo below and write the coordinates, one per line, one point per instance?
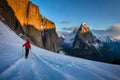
(97, 14)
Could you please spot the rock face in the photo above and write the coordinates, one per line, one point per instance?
(86, 34)
(7, 15)
(23, 14)
(33, 16)
(20, 9)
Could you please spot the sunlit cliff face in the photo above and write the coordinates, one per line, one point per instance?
(20, 9)
(28, 14)
(84, 28)
(49, 24)
(85, 33)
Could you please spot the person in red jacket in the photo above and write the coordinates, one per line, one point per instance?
(27, 47)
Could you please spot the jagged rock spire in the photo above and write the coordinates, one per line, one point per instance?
(85, 33)
(84, 28)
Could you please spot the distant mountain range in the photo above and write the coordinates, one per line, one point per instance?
(110, 38)
(81, 42)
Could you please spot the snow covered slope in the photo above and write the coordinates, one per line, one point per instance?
(46, 65)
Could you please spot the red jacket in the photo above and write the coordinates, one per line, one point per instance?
(27, 45)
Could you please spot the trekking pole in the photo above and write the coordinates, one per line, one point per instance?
(22, 52)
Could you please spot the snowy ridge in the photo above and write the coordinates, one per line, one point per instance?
(69, 39)
(46, 65)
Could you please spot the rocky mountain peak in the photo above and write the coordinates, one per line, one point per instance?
(84, 28)
(85, 33)
(62, 36)
(83, 23)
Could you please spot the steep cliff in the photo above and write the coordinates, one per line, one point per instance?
(29, 18)
(20, 9)
(33, 25)
(85, 33)
(33, 16)
(7, 15)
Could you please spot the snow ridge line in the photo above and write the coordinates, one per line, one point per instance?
(82, 68)
(96, 74)
(115, 77)
(35, 72)
(66, 76)
(98, 71)
(9, 69)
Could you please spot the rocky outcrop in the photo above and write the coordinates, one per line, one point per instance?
(20, 9)
(33, 16)
(7, 15)
(85, 33)
(28, 17)
(51, 40)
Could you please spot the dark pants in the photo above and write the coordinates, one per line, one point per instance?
(27, 52)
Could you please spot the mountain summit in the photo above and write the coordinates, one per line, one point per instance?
(82, 43)
(84, 28)
(85, 33)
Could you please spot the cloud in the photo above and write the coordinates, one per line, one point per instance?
(113, 31)
(71, 28)
(115, 28)
(65, 22)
